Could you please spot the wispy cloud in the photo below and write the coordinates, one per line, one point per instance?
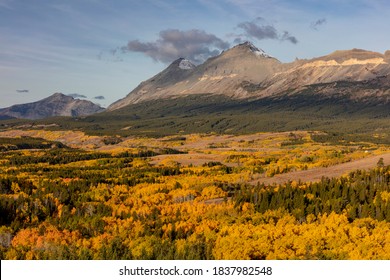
(286, 36)
(22, 90)
(259, 29)
(195, 45)
(316, 24)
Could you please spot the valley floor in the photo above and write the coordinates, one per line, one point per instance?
(287, 195)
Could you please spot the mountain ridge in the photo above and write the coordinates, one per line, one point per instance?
(247, 72)
(57, 104)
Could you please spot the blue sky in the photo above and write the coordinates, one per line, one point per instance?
(106, 48)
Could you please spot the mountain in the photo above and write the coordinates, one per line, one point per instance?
(218, 75)
(245, 90)
(57, 104)
(356, 74)
(246, 72)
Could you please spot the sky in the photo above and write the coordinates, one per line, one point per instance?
(99, 50)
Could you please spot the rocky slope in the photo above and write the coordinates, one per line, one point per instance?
(356, 74)
(57, 104)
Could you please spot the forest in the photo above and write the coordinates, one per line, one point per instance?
(192, 197)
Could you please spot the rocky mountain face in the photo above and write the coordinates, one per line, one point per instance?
(356, 74)
(57, 104)
(245, 72)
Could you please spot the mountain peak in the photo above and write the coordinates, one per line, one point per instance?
(182, 63)
(58, 94)
(249, 46)
(185, 64)
(58, 97)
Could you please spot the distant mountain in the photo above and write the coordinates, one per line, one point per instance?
(57, 104)
(245, 72)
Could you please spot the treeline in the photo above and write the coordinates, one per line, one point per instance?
(64, 156)
(25, 142)
(361, 194)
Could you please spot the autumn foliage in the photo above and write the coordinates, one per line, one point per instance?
(61, 203)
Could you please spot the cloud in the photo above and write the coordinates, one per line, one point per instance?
(100, 97)
(259, 29)
(195, 45)
(318, 23)
(77, 95)
(22, 90)
(287, 37)
(260, 32)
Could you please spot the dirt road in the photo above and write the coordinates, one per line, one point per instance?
(316, 174)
